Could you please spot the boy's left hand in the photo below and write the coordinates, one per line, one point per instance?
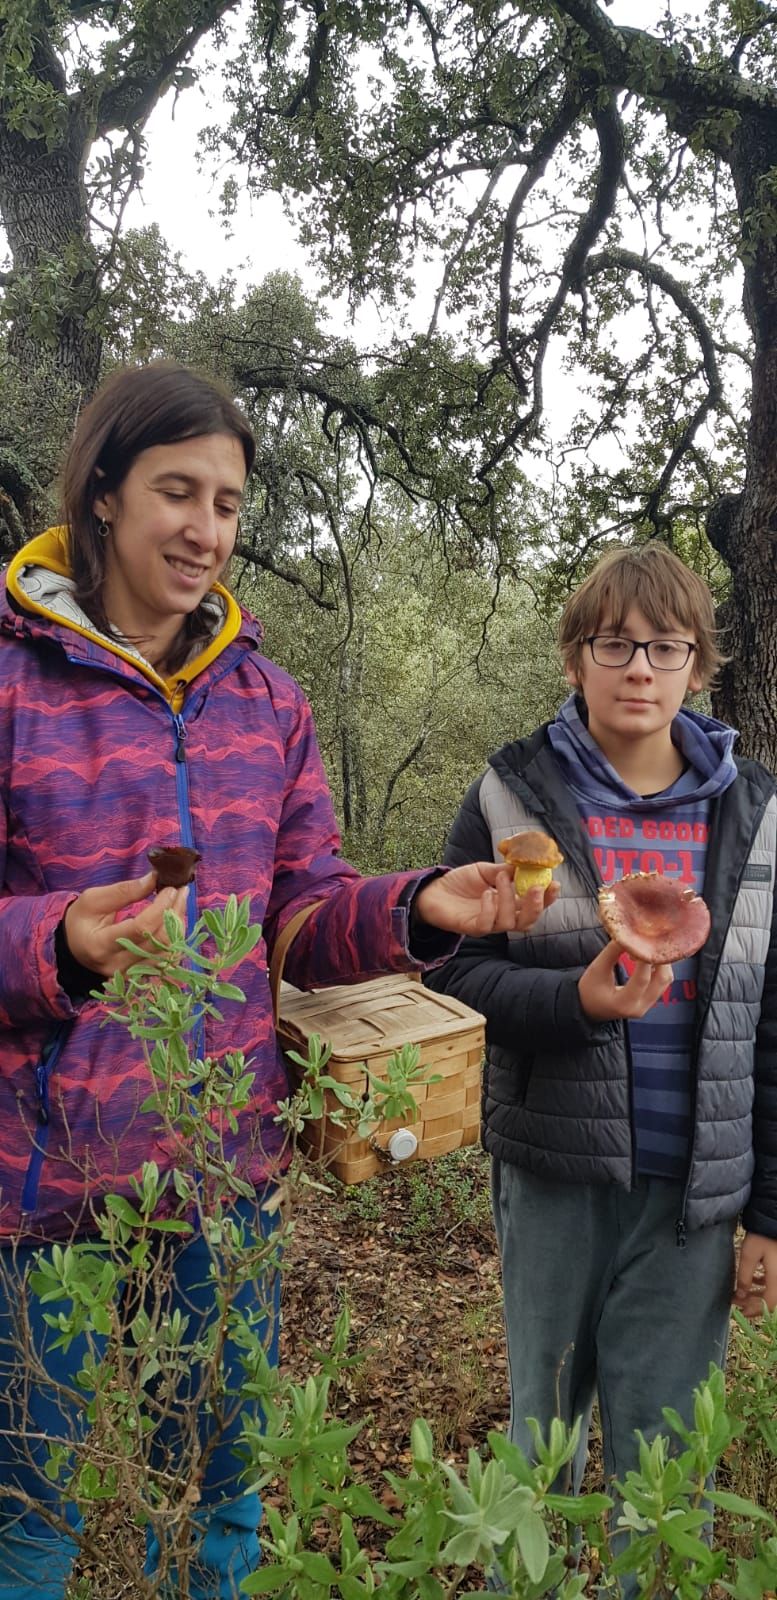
(480, 898)
(756, 1275)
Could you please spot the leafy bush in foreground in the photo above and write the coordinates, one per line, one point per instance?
(502, 1515)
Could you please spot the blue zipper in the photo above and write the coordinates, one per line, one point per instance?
(50, 1055)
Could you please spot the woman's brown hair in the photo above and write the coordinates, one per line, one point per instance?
(137, 408)
(652, 577)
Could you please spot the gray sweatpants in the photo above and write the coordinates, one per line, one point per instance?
(599, 1300)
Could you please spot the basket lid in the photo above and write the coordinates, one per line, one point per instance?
(380, 1014)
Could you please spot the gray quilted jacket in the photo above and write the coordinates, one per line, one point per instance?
(557, 1087)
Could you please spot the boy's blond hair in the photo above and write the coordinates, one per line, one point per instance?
(652, 577)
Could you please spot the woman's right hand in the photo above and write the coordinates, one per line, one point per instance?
(604, 999)
(93, 933)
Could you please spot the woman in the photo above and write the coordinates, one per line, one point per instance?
(136, 708)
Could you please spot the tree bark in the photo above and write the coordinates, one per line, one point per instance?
(744, 530)
(43, 198)
(351, 747)
(44, 209)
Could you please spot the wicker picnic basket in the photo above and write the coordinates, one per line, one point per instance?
(365, 1023)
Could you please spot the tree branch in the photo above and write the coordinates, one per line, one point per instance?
(610, 134)
(632, 58)
(401, 766)
(652, 273)
(306, 475)
(497, 171)
(431, 30)
(129, 99)
(767, 19)
(544, 149)
(355, 412)
(254, 557)
(308, 89)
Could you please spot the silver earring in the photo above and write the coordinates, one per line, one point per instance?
(103, 527)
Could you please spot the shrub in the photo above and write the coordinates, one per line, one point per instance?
(501, 1513)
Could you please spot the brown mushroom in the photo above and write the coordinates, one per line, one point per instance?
(173, 864)
(532, 855)
(653, 918)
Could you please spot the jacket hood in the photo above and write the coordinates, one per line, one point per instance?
(704, 743)
(39, 584)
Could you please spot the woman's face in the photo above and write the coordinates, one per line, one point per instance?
(173, 524)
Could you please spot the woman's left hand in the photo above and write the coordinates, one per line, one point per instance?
(480, 898)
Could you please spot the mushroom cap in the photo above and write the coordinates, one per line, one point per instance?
(653, 918)
(173, 864)
(530, 848)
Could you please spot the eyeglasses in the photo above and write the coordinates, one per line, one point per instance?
(664, 655)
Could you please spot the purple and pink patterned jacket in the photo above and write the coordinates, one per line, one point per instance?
(99, 759)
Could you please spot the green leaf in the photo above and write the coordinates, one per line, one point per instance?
(268, 1580)
(406, 1569)
(361, 1502)
(316, 1565)
(121, 1208)
(227, 991)
(728, 1501)
(532, 1537)
(580, 1508)
(462, 1549)
(684, 1543)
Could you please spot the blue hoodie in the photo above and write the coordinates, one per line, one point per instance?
(665, 832)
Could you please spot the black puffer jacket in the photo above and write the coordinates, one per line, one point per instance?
(557, 1087)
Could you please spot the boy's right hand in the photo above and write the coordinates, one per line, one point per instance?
(604, 999)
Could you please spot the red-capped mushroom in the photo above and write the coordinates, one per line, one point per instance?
(173, 864)
(654, 918)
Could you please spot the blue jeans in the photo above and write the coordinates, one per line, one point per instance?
(35, 1556)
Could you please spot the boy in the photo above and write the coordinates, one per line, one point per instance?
(628, 1109)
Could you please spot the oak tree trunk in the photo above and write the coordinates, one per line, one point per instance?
(744, 528)
(351, 748)
(44, 210)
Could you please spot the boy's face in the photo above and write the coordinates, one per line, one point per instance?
(638, 700)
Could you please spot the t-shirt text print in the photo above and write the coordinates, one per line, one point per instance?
(673, 843)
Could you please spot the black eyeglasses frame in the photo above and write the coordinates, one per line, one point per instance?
(638, 644)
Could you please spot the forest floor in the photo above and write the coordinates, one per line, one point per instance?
(413, 1255)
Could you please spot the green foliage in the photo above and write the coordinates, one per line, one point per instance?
(749, 1466)
(71, 74)
(32, 107)
(753, 1396)
(503, 1512)
(444, 661)
(61, 287)
(491, 160)
(37, 412)
(362, 1110)
(450, 1191)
